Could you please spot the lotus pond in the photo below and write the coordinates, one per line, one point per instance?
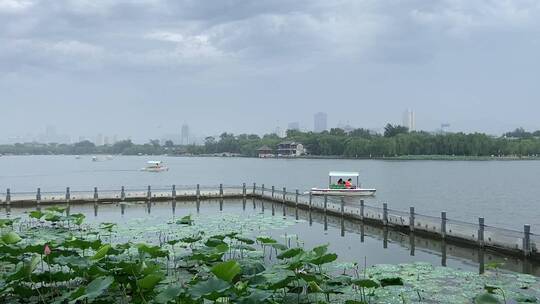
(202, 253)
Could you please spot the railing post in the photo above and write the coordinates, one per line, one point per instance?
(244, 189)
(273, 189)
(385, 214)
(526, 240)
(123, 194)
(149, 193)
(173, 192)
(325, 203)
(310, 200)
(262, 191)
(284, 193)
(221, 190)
(362, 209)
(443, 224)
(96, 196)
(68, 195)
(198, 191)
(481, 231)
(38, 196)
(342, 207)
(411, 219)
(254, 188)
(8, 196)
(296, 198)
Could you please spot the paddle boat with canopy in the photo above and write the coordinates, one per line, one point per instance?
(155, 166)
(335, 189)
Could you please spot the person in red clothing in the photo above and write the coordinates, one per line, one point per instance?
(348, 184)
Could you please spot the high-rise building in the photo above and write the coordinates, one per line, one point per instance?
(320, 120)
(280, 132)
(99, 140)
(409, 120)
(184, 135)
(293, 126)
(50, 134)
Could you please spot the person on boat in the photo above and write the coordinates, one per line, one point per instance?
(340, 183)
(348, 184)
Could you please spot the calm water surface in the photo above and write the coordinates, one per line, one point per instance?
(506, 193)
(351, 240)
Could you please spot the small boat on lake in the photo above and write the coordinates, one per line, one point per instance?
(155, 166)
(337, 189)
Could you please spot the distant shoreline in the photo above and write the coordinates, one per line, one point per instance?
(393, 158)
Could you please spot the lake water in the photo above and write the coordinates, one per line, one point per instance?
(352, 240)
(506, 193)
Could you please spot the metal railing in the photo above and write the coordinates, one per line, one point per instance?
(522, 242)
(478, 234)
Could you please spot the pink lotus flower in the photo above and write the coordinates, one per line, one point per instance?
(47, 250)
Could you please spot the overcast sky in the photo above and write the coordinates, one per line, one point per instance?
(143, 68)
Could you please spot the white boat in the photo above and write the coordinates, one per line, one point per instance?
(342, 190)
(155, 166)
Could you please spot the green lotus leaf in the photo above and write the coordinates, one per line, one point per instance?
(227, 271)
(366, 283)
(324, 259)
(37, 214)
(486, 298)
(152, 251)
(397, 281)
(150, 281)
(255, 296)
(320, 250)
(186, 220)
(10, 238)
(211, 289)
(244, 240)
(93, 290)
(290, 253)
(213, 242)
(24, 269)
(102, 252)
(266, 240)
(168, 294)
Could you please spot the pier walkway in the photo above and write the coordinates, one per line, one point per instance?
(508, 241)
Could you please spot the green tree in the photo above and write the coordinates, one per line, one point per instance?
(393, 130)
(169, 143)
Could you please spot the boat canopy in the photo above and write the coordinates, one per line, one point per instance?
(154, 162)
(341, 173)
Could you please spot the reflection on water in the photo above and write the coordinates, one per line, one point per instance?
(352, 240)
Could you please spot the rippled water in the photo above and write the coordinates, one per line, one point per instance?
(506, 193)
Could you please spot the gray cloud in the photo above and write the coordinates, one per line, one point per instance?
(446, 58)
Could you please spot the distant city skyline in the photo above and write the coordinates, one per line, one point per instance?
(51, 134)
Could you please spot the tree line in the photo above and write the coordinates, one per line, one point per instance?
(362, 143)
